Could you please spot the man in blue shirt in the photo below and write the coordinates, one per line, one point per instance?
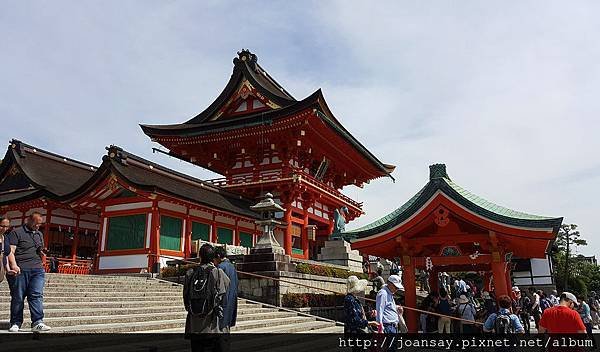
(515, 324)
(231, 296)
(387, 310)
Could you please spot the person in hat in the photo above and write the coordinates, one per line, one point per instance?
(489, 304)
(521, 305)
(466, 311)
(387, 310)
(355, 317)
(554, 298)
(562, 319)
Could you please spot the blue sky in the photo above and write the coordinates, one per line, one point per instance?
(504, 93)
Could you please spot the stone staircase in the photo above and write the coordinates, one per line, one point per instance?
(122, 304)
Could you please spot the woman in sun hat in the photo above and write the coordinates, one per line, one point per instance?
(356, 320)
(466, 311)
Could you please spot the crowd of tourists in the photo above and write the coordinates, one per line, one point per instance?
(459, 307)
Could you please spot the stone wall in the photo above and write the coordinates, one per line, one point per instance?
(333, 313)
(271, 291)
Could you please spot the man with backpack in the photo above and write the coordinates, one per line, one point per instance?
(203, 294)
(503, 322)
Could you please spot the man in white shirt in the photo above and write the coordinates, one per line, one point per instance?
(387, 310)
(536, 311)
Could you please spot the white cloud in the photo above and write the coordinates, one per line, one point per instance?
(503, 93)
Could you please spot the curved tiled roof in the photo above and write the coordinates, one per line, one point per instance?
(28, 172)
(246, 67)
(439, 181)
(152, 177)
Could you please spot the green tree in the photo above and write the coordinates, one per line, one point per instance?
(567, 237)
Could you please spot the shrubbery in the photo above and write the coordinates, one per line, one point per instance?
(173, 271)
(302, 300)
(327, 271)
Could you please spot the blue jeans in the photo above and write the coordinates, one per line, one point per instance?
(391, 329)
(29, 283)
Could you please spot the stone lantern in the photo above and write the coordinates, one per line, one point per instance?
(267, 209)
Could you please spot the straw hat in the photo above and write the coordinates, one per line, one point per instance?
(354, 285)
(463, 299)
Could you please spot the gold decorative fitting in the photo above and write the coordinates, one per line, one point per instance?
(441, 216)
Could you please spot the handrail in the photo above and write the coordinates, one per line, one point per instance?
(327, 290)
(278, 174)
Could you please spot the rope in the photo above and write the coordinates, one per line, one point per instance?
(327, 290)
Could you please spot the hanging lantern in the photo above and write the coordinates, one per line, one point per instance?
(428, 264)
(311, 231)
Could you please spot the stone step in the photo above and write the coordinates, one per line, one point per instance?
(118, 294)
(88, 311)
(132, 319)
(123, 327)
(265, 316)
(99, 305)
(70, 290)
(93, 298)
(98, 278)
(305, 325)
(336, 329)
(254, 324)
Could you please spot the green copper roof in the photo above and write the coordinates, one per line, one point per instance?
(440, 181)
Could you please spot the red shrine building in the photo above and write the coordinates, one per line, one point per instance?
(123, 216)
(445, 228)
(128, 213)
(261, 139)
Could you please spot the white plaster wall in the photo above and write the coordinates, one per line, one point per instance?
(123, 261)
(129, 206)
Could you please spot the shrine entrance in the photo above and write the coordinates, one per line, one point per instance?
(444, 228)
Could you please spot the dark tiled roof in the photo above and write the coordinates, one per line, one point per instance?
(152, 177)
(439, 181)
(248, 68)
(51, 174)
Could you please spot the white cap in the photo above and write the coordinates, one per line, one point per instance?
(516, 289)
(570, 296)
(397, 281)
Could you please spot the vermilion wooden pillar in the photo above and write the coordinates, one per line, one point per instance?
(508, 280)
(410, 294)
(213, 232)
(46, 226)
(75, 239)
(434, 283)
(487, 281)
(500, 287)
(287, 236)
(154, 237)
(305, 235)
(236, 233)
(188, 237)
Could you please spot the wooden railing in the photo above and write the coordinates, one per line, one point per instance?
(71, 266)
(275, 175)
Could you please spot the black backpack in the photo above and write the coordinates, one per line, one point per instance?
(202, 291)
(503, 325)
